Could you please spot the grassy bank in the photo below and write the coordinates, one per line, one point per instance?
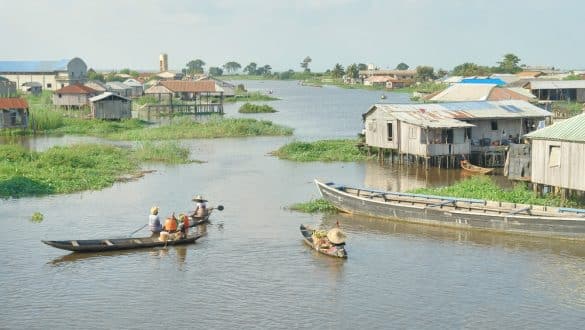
(256, 108)
(74, 168)
(482, 187)
(314, 206)
(325, 150)
(250, 97)
(215, 127)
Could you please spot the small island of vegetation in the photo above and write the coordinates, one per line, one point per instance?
(319, 205)
(256, 108)
(324, 150)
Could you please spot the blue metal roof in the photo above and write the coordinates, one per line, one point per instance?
(33, 66)
(496, 81)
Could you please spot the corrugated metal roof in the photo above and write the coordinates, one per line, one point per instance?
(496, 81)
(572, 129)
(116, 85)
(13, 103)
(190, 86)
(106, 95)
(557, 84)
(464, 92)
(34, 66)
(470, 110)
(133, 82)
(429, 119)
(76, 89)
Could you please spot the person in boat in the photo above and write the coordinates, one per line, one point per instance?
(171, 224)
(200, 207)
(336, 237)
(154, 221)
(184, 225)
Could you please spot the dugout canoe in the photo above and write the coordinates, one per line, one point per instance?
(114, 244)
(466, 165)
(535, 220)
(337, 251)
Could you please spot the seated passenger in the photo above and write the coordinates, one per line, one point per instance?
(154, 221)
(171, 224)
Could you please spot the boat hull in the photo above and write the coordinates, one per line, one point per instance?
(449, 215)
(101, 245)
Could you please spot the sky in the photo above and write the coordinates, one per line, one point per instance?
(116, 34)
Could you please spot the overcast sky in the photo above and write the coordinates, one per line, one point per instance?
(131, 33)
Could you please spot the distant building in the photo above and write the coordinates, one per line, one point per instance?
(558, 154)
(110, 106)
(137, 87)
(7, 88)
(228, 88)
(119, 88)
(558, 90)
(96, 85)
(13, 113)
(405, 75)
(495, 81)
(32, 87)
(163, 61)
(73, 96)
(169, 75)
(52, 75)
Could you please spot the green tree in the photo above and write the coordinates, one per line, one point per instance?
(125, 71)
(195, 66)
(470, 69)
(337, 71)
(362, 67)
(442, 73)
(305, 64)
(509, 64)
(286, 74)
(215, 71)
(251, 68)
(425, 73)
(232, 67)
(93, 75)
(402, 66)
(352, 70)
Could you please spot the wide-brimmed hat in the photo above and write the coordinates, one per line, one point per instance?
(199, 198)
(154, 210)
(336, 236)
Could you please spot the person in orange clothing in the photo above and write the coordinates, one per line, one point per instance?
(170, 224)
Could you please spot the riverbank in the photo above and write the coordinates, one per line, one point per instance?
(78, 167)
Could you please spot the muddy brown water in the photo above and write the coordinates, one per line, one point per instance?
(252, 269)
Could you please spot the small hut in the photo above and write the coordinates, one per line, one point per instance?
(13, 113)
(7, 87)
(119, 88)
(73, 96)
(136, 86)
(32, 87)
(110, 106)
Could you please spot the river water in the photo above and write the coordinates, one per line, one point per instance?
(252, 269)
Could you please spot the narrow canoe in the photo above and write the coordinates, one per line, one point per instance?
(535, 220)
(466, 165)
(114, 244)
(337, 251)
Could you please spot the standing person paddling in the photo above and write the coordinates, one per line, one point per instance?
(154, 221)
(200, 207)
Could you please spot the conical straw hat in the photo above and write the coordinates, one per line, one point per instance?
(336, 236)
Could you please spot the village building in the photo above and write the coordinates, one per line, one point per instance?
(479, 92)
(97, 86)
(169, 75)
(73, 96)
(558, 90)
(7, 88)
(442, 133)
(110, 106)
(206, 95)
(137, 87)
(229, 89)
(52, 75)
(396, 78)
(119, 88)
(13, 113)
(558, 155)
(32, 88)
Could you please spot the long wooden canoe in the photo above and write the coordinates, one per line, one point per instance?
(466, 165)
(113, 244)
(337, 251)
(536, 220)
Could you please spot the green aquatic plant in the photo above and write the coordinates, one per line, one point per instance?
(256, 108)
(169, 152)
(324, 150)
(37, 217)
(314, 206)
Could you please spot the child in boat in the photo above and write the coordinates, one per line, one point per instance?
(184, 225)
(171, 224)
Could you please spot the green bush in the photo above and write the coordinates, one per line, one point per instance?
(256, 108)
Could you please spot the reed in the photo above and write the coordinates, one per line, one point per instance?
(256, 108)
(165, 152)
(324, 150)
(314, 206)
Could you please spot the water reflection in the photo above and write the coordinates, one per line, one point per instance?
(368, 225)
